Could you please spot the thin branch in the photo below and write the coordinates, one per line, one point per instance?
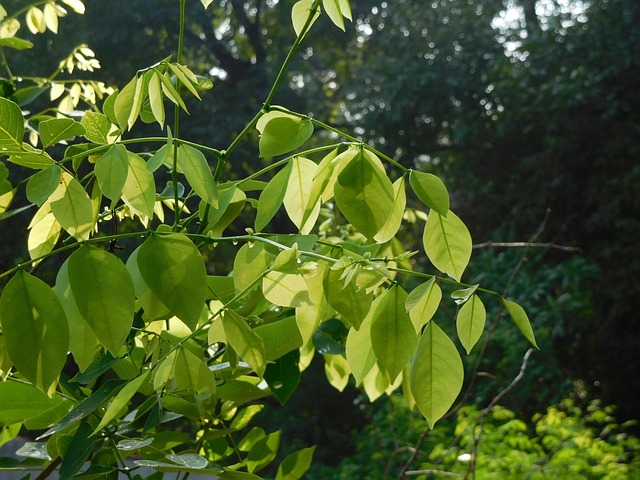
(432, 472)
(527, 245)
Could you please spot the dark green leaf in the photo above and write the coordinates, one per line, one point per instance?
(283, 375)
(43, 184)
(79, 450)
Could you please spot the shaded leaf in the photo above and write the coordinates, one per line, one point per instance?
(111, 170)
(72, 208)
(470, 322)
(272, 197)
(195, 167)
(430, 190)
(244, 341)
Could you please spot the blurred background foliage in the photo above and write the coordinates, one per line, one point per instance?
(530, 112)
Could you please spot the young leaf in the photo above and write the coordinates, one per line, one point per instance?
(422, 303)
(298, 194)
(244, 341)
(123, 104)
(72, 208)
(336, 10)
(156, 99)
(470, 322)
(447, 243)
(364, 194)
(139, 191)
(11, 127)
(272, 197)
(112, 170)
(295, 465)
(282, 133)
(430, 190)
(393, 337)
(300, 14)
(436, 374)
(104, 294)
(58, 129)
(35, 330)
(392, 225)
(173, 268)
(521, 320)
(195, 167)
(41, 185)
(188, 83)
(337, 371)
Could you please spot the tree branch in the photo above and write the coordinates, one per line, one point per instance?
(527, 245)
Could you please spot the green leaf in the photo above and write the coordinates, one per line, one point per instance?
(25, 96)
(298, 194)
(155, 97)
(286, 289)
(359, 350)
(244, 341)
(348, 300)
(57, 129)
(392, 225)
(422, 303)
(283, 133)
(139, 191)
(11, 127)
(97, 127)
(195, 167)
(364, 194)
(35, 330)
(192, 374)
(120, 401)
(283, 375)
(189, 460)
(44, 232)
(272, 197)
(251, 263)
(72, 208)
(295, 465)
(232, 202)
(337, 371)
(430, 190)
(470, 322)
(336, 10)
(300, 13)
(103, 291)
(16, 43)
(123, 104)
(19, 402)
(436, 374)
(280, 337)
(447, 243)
(41, 185)
(521, 320)
(464, 294)
(152, 306)
(171, 92)
(34, 160)
(78, 452)
(263, 452)
(112, 170)
(182, 77)
(173, 268)
(393, 337)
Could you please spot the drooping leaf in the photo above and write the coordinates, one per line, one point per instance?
(11, 127)
(111, 170)
(422, 303)
(337, 371)
(124, 104)
(447, 243)
(470, 322)
(139, 190)
(364, 194)
(359, 351)
(521, 320)
(155, 97)
(462, 295)
(72, 208)
(393, 336)
(430, 190)
(104, 294)
(436, 374)
(173, 268)
(295, 465)
(244, 341)
(272, 197)
(121, 400)
(298, 194)
(41, 185)
(282, 133)
(44, 232)
(392, 225)
(195, 167)
(336, 10)
(58, 129)
(351, 302)
(300, 14)
(35, 330)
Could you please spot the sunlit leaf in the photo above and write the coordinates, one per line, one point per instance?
(121, 400)
(430, 190)
(155, 97)
(297, 196)
(72, 208)
(58, 129)
(300, 14)
(447, 243)
(295, 465)
(272, 197)
(286, 289)
(192, 374)
(249, 264)
(336, 10)
(244, 341)
(392, 225)
(20, 401)
(422, 303)
(43, 233)
(111, 170)
(348, 300)
(11, 127)
(283, 133)
(139, 190)
(470, 322)
(521, 320)
(337, 371)
(195, 167)
(359, 351)
(98, 127)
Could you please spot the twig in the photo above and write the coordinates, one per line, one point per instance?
(527, 245)
(432, 472)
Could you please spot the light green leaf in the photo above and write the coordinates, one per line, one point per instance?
(337, 371)
(359, 351)
(464, 294)
(20, 402)
(250, 263)
(348, 300)
(272, 197)
(35, 330)
(300, 14)
(152, 306)
(336, 10)
(104, 294)
(244, 341)
(16, 43)
(112, 170)
(263, 452)
(393, 337)
(11, 127)
(521, 320)
(139, 191)
(35, 160)
(124, 104)
(206, 3)
(295, 465)
(232, 201)
(57, 129)
(180, 75)
(120, 401)
(41, 185)
(430, 190)
(286, 289)
(72, 208)
(392, 225)
(97, 127)
(195, 167)
(83, 343)
(173, 268)
(171, 92)
(298, 194)
(447, 243)
(155, 97)
(436, 374)
(470, 322)
(44, 232)
(279, 337)
(192, 374)
(422, 303)
(282, 133)
(364, 194)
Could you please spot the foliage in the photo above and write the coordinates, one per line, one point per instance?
(137, 338)
(563, 442)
